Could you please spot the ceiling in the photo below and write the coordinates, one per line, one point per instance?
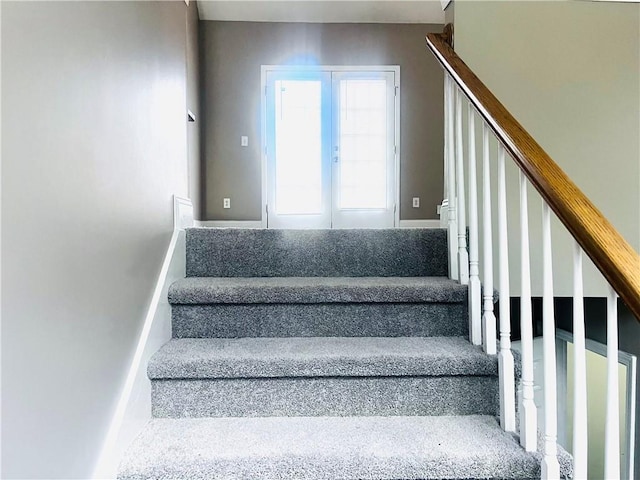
(322, 11)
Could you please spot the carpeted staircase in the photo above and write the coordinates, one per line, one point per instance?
(322, 354)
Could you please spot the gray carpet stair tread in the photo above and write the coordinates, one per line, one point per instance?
(207, 290)
(319, 357)
(454, 447)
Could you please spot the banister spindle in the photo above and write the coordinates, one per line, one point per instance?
(488, 317)
(463, 256)
(475, 300)
(444, 208)
(550, 465)
(505, 356)
(528, 412)
(612, 418)
(452, 231)
(580, 442)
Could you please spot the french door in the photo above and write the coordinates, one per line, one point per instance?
(330, 148)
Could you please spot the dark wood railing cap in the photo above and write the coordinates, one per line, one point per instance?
(601, 242)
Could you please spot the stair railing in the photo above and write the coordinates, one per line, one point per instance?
(593, 235)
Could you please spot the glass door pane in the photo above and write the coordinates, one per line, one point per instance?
(362, 138)
(298, 144)
(298, 147)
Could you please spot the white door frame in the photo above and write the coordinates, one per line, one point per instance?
(329, 68)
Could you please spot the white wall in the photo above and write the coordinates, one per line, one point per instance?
(93, 148)
(569, 71)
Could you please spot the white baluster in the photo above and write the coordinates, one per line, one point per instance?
(463, 256)
(444, 208)
(528, 412)
(580, 434)
(550, 465)
(505, 356)
(452, 233)
(488, 317)
(612, 422)
(475, 300)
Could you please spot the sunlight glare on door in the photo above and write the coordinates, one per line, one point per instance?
(363, 144)
(298, 147)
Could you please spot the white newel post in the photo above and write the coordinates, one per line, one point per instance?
(612, 422)
(528, 412)
(452, 231)
(550, 465)
(488, 317)
(463, 256)
(505, 357)
(580, 442)
(475, 300)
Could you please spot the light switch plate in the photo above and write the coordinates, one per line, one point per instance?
(244, 141)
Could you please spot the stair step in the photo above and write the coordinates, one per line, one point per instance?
(459, 447)
(315, 307)
(212, 290)
(258, 377)
(319, 357)
(219, 252)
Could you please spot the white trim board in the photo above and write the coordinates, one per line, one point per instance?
(229, 223)
(419, 224)
(133, 409)
(182, 213)
(258, 224)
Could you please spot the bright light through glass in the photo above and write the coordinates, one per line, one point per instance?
(363, 144)
(298, 147)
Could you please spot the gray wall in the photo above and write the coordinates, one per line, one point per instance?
(232, 53)
(94, 145)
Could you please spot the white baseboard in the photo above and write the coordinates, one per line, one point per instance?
(229, 223)
(133, 409)
(419, 224)
(258, 223)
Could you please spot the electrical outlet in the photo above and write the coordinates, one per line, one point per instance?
(416, 202)
(244, 141)
(226, 203)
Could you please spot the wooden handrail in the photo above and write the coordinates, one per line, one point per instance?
(608, 250)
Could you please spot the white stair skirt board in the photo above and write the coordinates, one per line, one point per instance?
(133, 410)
